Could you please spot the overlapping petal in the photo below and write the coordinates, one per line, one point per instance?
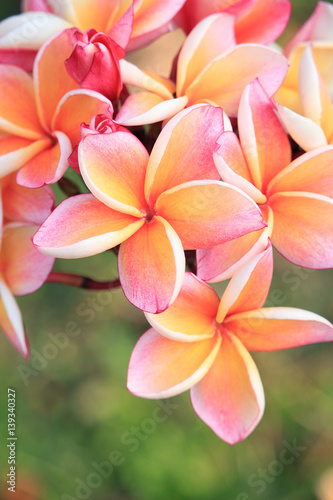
(18, 113)
(304, 131)
(233, 168)
(224, 79)
(275, 328)
(16, 152)
(265, 22)
(151, 19)
(230, 398)
(161, 368)
(191, 317)
(207, 213)
(311, 172)
(303, 228)
(202, 45)
(51, 79)
(24, 268)
(151, 266)
(260, 21)
(184, 150)
(21, 36)
(48, 166)
(317, 27)
(82, 226)
(113, 167)
(76, 107)
(143, 107)
(249, 287)
(21, 204)
(221, 262)
(264, 142)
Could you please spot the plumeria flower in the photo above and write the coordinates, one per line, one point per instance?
(259, 21)
(317, 32)
(295, 197)
(155, 207)
(131, 24)
(211, 68)
(22, 268)
(40, 116)
(313, 127)
(202, 343)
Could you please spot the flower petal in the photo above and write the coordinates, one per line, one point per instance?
(21, 204)
(51, 79)
(303, 228)
(152, 19)
(232, 167)
(114, 166)
(304, 131)
(265, 22)
(184, 150)
(230, 398)
(317, 27)
(207, 213)
(48, 166)
(151, 266)
(265, 144)
(144, 108)
(192, 316)
(82, 226)
(16, 152)
(248, 288)
(22, 35)
(161, 368)
(225, 78)
(30, 30)
(202, 45)
(24, 268)
(76, 107)
(275, 328)
(18, 113)
(132, 75)
(11, 321)
(221, 262)
(311, 172)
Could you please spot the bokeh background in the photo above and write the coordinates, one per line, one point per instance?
(75, 416)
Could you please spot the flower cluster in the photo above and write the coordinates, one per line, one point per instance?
(191, 179)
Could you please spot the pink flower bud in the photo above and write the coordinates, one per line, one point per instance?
(94, 63)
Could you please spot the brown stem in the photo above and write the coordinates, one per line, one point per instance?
(76, 280)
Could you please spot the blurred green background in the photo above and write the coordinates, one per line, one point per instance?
(74, 413)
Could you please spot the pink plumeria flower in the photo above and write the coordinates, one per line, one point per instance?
(295, 197)
(202, 343)
(211, 68)
(153, 206)
(40, 116)
(22, 268)
(132, 24)
(259, 21)
(312, 127)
